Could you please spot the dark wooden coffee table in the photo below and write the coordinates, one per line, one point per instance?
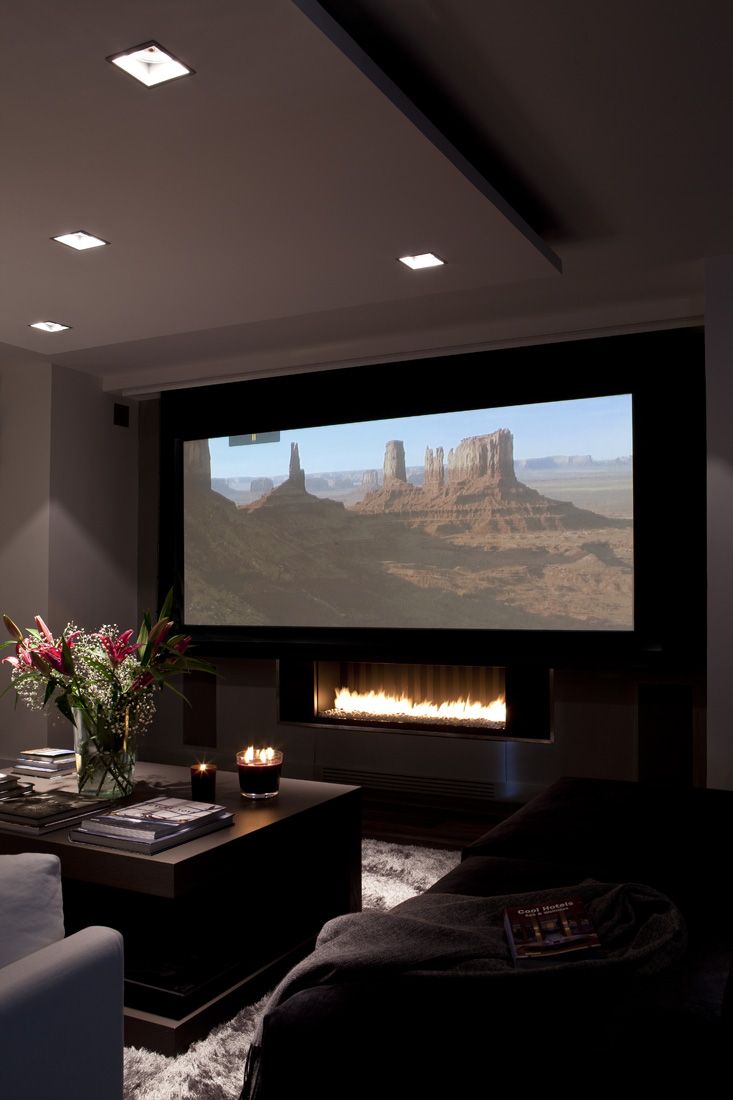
(212, 924)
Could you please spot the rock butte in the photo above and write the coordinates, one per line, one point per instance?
(476, 488)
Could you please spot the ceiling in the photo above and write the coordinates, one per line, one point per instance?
(256, 209)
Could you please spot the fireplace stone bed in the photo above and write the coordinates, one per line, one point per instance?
(448, 725)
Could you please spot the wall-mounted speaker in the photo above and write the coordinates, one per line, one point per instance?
(121, 415)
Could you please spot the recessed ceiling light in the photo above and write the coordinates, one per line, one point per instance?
(49, 326)
(426, 259)
(150, 64)
(80, 240)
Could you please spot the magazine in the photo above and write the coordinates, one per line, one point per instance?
(552, 932)
(156, 817)
(151, 844)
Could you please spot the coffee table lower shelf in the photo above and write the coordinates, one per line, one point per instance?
(171, 1037)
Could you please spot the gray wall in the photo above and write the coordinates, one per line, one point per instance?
(93, 519)
(25, 460)
(93, 532)
(68, 486)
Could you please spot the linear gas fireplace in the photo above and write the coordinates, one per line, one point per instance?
(474, 701)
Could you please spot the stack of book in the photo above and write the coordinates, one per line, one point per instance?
(152, 826)
(45, 763)
(11, 788)
(38, 813)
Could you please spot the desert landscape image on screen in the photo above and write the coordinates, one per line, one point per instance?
(515, 518)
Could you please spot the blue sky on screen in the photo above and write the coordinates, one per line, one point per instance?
(596, 426)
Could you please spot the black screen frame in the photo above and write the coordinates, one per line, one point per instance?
(664, 373)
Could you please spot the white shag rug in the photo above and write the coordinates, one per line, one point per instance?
(212, 1068)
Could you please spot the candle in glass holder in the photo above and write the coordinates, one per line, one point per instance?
(203, 782)
(259, 772)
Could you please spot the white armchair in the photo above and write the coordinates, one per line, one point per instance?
(61, 1023)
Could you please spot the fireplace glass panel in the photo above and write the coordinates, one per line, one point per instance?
(465, 700)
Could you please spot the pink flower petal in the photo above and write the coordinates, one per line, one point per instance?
(44, 630)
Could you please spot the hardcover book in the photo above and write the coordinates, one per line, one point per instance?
(46, 755)
(552, 932)
(10, 791)
(45, 762)
(24, 768)
(42, 812)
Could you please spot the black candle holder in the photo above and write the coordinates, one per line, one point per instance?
(259, 772)
(203, 782)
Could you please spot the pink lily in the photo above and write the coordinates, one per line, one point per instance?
(120, 648)
(22, 655)
(142, 681)
(51, 654)
(44, 630)
(16, 662)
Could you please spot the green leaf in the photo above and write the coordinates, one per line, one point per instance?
(11, 641)
(143, 634)
(49, 691)
(38, 662)
(169, 685)
(155, 632)
(66, 658)
(62, 702)
(195, 664)
(165, 611)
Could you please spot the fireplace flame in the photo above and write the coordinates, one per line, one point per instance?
(379, 705)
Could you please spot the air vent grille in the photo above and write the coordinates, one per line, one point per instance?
(412, 784)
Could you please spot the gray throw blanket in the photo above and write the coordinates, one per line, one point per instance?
(641, 932)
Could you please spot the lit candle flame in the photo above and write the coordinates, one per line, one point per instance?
(258, 756)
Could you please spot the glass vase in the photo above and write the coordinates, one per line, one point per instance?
(105, 755)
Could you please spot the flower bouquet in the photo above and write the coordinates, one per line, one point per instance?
(104, 683)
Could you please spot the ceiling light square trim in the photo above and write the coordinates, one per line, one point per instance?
(80, 240)
(425, 259)
(49, 326)
(150, 64)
